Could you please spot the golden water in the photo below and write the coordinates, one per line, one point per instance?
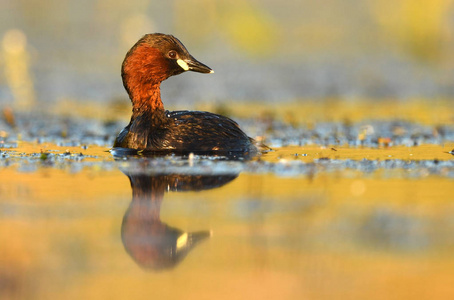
(330, 235)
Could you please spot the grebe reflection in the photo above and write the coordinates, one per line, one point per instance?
(153, 244)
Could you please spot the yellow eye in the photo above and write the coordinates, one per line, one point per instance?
(172, 54)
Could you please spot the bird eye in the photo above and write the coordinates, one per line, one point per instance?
(172, 54)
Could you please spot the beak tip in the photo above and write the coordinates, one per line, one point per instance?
(211, 72)
(195, 66)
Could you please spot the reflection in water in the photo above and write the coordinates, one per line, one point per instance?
(152, 243)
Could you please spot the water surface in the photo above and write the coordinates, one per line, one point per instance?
(300, 222)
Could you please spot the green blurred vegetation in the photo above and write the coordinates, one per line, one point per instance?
(423, 28)
(72, 50)
(246, 25)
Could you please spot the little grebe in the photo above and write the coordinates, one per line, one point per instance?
(153, 59)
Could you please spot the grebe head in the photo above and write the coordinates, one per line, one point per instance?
(154, 58)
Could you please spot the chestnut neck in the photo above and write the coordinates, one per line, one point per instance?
(147, 100)
(143, 70)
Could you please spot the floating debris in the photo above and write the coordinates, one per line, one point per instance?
(44, 156)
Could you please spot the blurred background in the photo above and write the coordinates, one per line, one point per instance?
(53, 51)
(348, 207)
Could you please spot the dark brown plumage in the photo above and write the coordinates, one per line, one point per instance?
(154, 58)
